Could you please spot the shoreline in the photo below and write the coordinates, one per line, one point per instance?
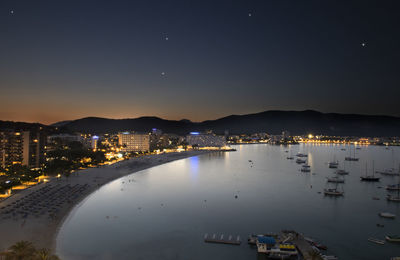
(42, 230)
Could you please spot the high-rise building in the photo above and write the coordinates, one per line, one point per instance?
(134, 142)
(22, 147)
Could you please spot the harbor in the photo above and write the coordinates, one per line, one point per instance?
(225, 194)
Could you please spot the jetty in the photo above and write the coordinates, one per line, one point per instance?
(222, 239)
(301, 244)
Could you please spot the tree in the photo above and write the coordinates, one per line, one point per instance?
(44, 254)
(22, 250)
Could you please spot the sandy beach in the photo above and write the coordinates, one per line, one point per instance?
(37, 213)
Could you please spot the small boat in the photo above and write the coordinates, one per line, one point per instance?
(333, 164)
(351, 158)
(290, 157)
(369, 178)
(395, 258)
(301, 155)
(335, 179)
(393, 187)
(389, 172)
(329, 257)
(393, 198)
(305, 168)
(343, 149)
(393, 238)
(387, 215)
(376, 241)
(315, 244)
(341, 172)
(380, 225)
(299, 161)
(333, 192)
(375, 198)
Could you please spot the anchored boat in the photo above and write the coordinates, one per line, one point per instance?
(386, 215)
(393, 238)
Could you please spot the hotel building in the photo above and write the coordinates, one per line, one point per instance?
(133, 142)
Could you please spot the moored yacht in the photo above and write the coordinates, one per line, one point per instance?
(299, 161)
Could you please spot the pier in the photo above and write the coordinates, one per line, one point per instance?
(302, 245)
(222, 239)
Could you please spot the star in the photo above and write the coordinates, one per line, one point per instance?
(12, 11)
(163, 73)
(166, 38)
(249, 14)
(363, 44)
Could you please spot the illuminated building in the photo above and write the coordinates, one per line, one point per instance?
(134, 142)
(205, 140)
(95, 138)
(22, 147)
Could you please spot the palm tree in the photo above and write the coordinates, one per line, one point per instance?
(44, 254)
(22, 250)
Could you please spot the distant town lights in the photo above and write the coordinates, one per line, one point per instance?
(194, 133)
(95, 137)
(310, 136)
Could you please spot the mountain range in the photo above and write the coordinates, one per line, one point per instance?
(272, 122)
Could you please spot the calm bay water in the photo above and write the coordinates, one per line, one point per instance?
(164, 212)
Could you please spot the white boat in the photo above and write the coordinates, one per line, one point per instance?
(341, 172)
(386, 215)
(333, 192)
(390, 197)
(335, 179)
(299, 161)
(351, 158)
(376, 241)
(329, 257)
(333, 164)
(389, 172)
(393, 198)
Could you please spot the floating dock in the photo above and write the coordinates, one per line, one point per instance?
(302, 245)
(222, 239)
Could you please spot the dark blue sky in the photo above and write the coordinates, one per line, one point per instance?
(199, 60)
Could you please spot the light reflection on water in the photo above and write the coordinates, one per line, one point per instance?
(167, 210)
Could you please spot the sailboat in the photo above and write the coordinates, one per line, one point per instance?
(342, 171)
(390, 171)
(335, 179)
(389, 197)
(333, 191)
(350, 158)
(370, 178)
(334, 164)
(290, 157)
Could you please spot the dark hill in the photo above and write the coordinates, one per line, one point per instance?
(273, 122)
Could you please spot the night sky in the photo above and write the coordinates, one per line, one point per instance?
(62, 60)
